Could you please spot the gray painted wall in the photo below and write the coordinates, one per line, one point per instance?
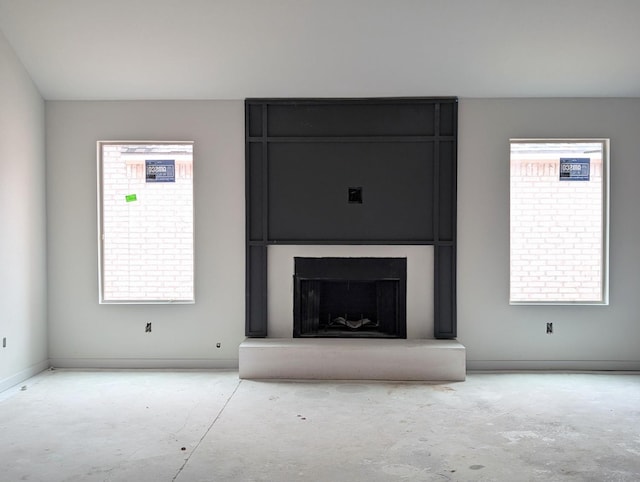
(84, 333)
(22, 223)
(501, 336)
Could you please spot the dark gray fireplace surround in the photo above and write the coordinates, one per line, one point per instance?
(351, 172)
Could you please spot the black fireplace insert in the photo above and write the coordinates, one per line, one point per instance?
(350, 297)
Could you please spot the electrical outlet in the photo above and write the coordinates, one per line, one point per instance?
(148, 328)
(354, 195)
(549, 328)
(4, 342)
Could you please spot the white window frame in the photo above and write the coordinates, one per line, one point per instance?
(604, 246)
(101, 228)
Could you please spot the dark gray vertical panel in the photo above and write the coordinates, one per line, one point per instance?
(255, 120)
(254, 196)
(447, 191)
(256, 223)
(256, 291)
(445, 292)
(448, 118)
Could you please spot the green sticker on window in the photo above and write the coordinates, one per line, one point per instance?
(130, 197)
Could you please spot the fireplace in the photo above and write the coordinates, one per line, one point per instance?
(350, 172)
(351, 178)
(350, 297)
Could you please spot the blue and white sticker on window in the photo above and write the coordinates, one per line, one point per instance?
(160, 171)
(574, 169)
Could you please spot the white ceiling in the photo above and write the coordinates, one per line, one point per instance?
(232, 49)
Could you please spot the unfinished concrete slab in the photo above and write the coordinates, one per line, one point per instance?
(212, 426)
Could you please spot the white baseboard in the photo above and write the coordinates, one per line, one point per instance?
(145, 363)
(22, 375)
(471, 365)
(551, 365)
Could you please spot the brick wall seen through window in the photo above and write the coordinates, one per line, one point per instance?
(146, 222)
(558, 222)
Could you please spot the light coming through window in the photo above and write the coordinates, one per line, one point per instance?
(559, 221)
(145, 204)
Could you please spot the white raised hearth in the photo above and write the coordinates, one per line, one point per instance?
(352, 359)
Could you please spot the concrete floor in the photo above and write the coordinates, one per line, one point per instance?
(65, 425)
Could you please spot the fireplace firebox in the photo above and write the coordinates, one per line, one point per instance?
(350, 297)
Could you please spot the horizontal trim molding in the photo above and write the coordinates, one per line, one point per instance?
(380, 138)
(350, 100)
(152, 363)
(338, 242)
(566, 365)
(22, 375)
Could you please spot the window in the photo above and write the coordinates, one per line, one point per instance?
(145, 222)
(559, 221)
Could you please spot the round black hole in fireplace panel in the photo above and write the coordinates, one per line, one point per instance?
(350, 297)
